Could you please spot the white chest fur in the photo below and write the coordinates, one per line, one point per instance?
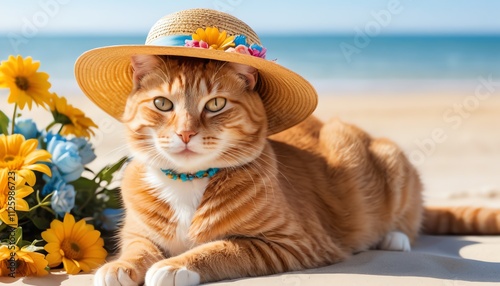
(184, 198)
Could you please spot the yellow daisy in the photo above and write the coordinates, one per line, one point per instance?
(12, 201)
(77, 245)
(215, 39)
(21, 156)
(27, 262)
(73, 119)
(25, 83)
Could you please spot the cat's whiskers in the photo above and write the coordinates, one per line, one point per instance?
(119, 149)
(154, 157)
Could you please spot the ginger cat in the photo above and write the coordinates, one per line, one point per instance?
(307, 197)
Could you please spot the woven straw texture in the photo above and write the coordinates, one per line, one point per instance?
(187, 21)
(105, 75)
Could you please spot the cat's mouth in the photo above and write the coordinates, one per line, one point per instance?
(186, 152)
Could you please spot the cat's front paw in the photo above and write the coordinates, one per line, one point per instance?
(162, 274)
(395, 241)
(116, 273)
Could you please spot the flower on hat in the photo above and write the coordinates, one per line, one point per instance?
(240, 40)
(253, 50)
(25, 83)
(210, 38)
(257, 51)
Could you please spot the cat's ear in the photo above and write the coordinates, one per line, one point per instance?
(142, 65)
(247, 73)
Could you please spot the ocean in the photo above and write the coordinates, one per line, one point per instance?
(328, 61)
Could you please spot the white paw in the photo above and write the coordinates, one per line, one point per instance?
(396, 241)
(166, 276)
(104, 277)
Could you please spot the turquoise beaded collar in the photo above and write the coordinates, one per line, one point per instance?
(190, 176)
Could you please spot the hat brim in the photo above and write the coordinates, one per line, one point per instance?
(105, 76)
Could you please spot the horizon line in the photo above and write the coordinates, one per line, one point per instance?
(276, 34)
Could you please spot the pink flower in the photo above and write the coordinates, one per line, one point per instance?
(192, 43)
(240, 49)
(257, 51)
(196, 44)
(204, 45)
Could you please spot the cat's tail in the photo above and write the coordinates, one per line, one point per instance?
(462, 220)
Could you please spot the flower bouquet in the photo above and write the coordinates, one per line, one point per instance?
(53, 210)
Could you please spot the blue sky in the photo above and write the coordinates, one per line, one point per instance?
(264, 16)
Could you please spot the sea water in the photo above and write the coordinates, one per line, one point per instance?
(328, 61)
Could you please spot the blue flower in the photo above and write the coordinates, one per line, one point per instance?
(49, 136)
(27, 128)
(240, 40)
(63, 198)
(66, 157)
(257, 51)
(85, 149)
(111, 218)
(51, 183)
(256, 47)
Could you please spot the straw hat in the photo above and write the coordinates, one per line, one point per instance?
(105, 74)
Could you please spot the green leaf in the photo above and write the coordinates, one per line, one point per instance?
(83, 184)
(24, 243)
(115, 200)
(106, 174)
(4, 123)
(40, 222)
(18, 234)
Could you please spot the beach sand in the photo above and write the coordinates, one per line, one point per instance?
(452, 136)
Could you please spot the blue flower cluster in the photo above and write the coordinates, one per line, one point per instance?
(68, 160)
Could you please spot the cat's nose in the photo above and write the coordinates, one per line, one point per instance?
(186, 135)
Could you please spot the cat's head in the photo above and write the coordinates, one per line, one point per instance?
(193, 114)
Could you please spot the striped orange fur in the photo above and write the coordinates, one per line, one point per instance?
(465, 220)
(307, 197)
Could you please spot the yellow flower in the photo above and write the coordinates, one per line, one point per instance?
(12, 194)
(26, 262)
(25, 83)
(21, 156)
(73, 119)
(77, 245)
(215, 39)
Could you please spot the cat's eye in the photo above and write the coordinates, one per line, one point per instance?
(215, 104)
(163, 104)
